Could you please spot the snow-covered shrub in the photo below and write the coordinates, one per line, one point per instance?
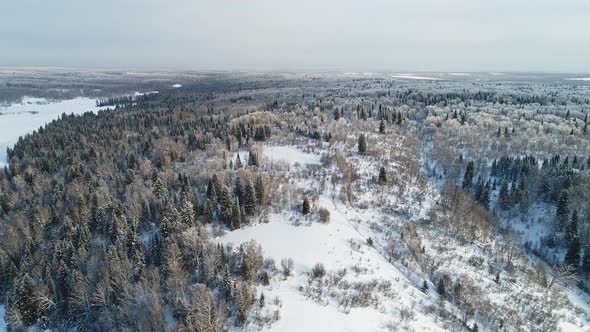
(324, 215)
(287, 266)
(318, 271)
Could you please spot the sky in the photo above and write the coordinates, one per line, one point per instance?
(346, 35)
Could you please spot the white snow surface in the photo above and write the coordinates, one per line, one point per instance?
(312, 242)
(20, 119)
(177, 85)
(579, 79)
(290, 154)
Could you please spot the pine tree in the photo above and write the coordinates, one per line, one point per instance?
(504, 197)
(468, 177)
(250, 199)
(382, 176)
(562, 214)
(187, 215)
(261, 300)
(216, 184)
(236, 220)
(253, 159)
(117, 228)
(239, 191)
(159, 188)
(226, 284)
(336, 114)
(25, 300)
(208, 211)
(440, 288)
(382, 127)
(572, 256)
(362, 144)
(238, 161)
(425, 287)
(260, 192)
(226, 203)
(305, 208)
(211, 192)
(586, 260)
(571, 230)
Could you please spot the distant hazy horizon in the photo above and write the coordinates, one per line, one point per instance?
(325, 35)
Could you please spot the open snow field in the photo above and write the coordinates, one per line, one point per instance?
(329, 244)
(290, 155)
(20, 119)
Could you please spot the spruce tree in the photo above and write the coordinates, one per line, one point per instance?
(504, 197)
(159, 189)
(25, 300)
(586, 260)
(226, 285)
(236, 220)
(571, 230)
(562, 214)
(305, 208)
(250, 199)
(260, 192)
(440, 287)
(362, 144)
(261, 300)
(572, 256)
(208, 211)
(216, 184)
(253, 159)
(382, 176)
(187, 215)
(382, 127)
(211, 192)
(238, 162)
(468, 177)
(424, 287)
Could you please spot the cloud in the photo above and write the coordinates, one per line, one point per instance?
(445, 35)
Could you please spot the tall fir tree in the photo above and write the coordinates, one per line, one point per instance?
(250, 199)
(382, 176)
(187, 214)
(362, 144)
(571, 231)
(572, 256)
(305, 208)
(504, 197)
(253, 159)
(238, 162)
(468, 177)
(562, 214)
(586, 260)
(260, 191)
(25, 300)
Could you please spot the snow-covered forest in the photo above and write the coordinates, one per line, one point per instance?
(305, 202)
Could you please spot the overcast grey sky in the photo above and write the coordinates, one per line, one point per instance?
(397, 35)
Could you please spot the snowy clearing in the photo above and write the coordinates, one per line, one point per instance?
(338, 245)
(290, 154)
